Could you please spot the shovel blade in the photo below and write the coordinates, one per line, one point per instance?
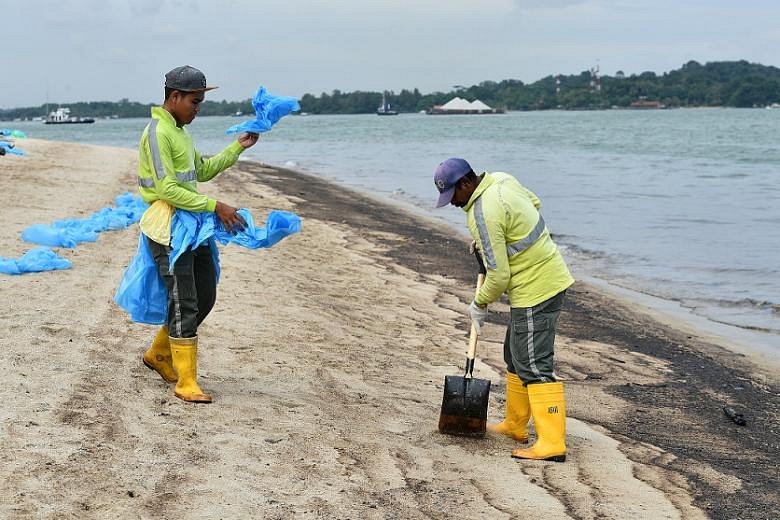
(464, 406)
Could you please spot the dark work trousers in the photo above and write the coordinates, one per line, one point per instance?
(192, 287)
(530, 340)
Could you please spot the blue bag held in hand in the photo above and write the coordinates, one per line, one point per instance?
(268, 110)
(142, 292)
(278, 225)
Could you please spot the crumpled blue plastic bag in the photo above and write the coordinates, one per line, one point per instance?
(13, 133)
(11, 148)
(278, 225)
(268, 110)
(34, 261)
(190, 230)
(57, 236)
(142, 292)
(71, 232)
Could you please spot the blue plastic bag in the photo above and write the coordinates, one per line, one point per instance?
(11, 148)
(190, 230)
(268, 110)
(13, 133)
(278, 225)
(34, 261)
(71, 232)
(65, 236)
(142, 292)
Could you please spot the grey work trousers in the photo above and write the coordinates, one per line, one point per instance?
(530, 340)
(192, 287)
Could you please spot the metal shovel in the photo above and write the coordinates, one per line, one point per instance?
(465, 402)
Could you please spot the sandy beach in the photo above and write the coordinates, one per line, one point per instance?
(326, 356)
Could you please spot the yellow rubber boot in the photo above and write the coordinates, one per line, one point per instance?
(158, 356)
(518, 411)
(548, 408)
(185, 361)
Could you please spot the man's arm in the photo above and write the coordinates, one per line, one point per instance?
(207, 169)
(492, 245)
(165, 183)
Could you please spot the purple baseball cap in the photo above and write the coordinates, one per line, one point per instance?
(447, 175)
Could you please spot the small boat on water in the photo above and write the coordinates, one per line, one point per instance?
(385, 109)
(62, 116)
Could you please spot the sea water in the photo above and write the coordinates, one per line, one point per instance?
(677, 206)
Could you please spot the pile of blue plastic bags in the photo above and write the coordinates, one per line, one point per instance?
(7, 144)
(69, 233)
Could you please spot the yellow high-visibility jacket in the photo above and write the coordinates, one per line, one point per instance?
(519, 254)
(170, 167)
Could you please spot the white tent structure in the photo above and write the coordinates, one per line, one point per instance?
(479, 105)
(459, 105)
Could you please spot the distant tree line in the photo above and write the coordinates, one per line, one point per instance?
(729, 84)
(724, 83)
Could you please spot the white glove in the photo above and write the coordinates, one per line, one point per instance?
(477, 315)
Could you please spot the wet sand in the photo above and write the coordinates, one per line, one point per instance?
(326, 356)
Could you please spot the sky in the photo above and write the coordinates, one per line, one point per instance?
(106, 50)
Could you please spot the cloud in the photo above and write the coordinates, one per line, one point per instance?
(548, 4)
(146, 7)
(109, 49)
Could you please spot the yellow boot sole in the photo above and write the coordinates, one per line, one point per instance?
(528, 454)
(193, 398)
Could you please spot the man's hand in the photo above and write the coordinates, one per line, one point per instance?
(477, 315)
(228, 215)
(248, 139)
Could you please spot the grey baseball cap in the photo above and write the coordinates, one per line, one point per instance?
(186, 79)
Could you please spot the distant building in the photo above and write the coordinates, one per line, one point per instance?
(461, 106)
(646, 104)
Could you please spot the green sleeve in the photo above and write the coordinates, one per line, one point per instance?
(207, 169)
(533, 198)
(168, 188)
(492, 244)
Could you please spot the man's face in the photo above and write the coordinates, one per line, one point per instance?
(186, 106)
(463, 191)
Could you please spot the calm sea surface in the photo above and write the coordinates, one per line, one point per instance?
(678, 206)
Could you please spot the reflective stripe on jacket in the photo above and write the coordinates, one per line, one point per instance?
(519, 254)
(170, 167)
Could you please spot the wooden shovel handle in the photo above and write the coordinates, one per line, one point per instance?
(473, 335)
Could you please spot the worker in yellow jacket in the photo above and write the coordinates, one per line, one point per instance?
(168, 174)
(521, 260)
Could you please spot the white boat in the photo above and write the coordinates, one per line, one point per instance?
(62, 116)
(385, 109)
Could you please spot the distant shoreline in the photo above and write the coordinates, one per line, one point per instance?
(604, 109)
